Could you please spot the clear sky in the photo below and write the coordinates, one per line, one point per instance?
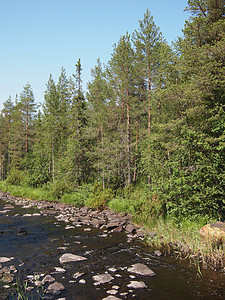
(38, 37)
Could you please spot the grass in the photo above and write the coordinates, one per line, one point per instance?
(26, 192)
(183, 240)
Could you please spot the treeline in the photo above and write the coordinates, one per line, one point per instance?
(151, 127)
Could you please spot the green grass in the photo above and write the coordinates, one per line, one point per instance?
(26, 192)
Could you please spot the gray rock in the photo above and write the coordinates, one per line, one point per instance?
(157, 253)
(69, 257)
(111, 298)
(48, 278)
(102, 278)
(4, 259)
(112, 292)
(77, 275)
(56, 288)
(137, 285)
(141, 269)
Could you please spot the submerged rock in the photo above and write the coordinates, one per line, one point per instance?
(141, 269)
(69, 257)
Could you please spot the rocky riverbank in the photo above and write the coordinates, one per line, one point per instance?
(107, 221)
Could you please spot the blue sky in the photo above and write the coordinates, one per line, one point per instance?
(38, 37)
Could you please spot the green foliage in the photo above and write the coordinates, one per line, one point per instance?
(99, 198)
(58, 189)
(79, 197)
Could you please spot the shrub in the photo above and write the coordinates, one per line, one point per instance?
(99, 198)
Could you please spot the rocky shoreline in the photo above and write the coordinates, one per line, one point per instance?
(108, 221)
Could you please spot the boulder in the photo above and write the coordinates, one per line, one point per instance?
(69, 257)
(141, 269)
(214, 231)
(56, 288)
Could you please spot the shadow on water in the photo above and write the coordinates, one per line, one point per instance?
(37, 242)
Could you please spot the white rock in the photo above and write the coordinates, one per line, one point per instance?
(111, 298)
(103, 278)
(69, 257)
(4, 259)
(141, 269)
(82, 281)
(112, 292)
(60, 270)
(137, 285)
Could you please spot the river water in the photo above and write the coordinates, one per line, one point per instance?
(37, 242)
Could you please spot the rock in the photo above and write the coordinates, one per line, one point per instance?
(69, 257)
(140, 233)
(97, 222)
(48, 278)
(111, 298)
(112, 269)
(137, 285)
(5, 259)
(141, 269)
(77, 275)
(48, 212)
(82, 281)
(60, 270)
(7, 278)
(112, 292)
(56, 288)
(130, 228)
(112, 225)
(102, 278)
(117, 229)
(214, 231)
(157, 253)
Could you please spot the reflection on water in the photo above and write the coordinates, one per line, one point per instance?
(37, 242)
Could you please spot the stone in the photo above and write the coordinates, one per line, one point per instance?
(130, 228)
(157, 253)
(69, 257)
(214, 231)
(111, 298)
(112, 292)
(112, 269)
(141, 269)
(77, 275)
(56, 288)
(82, 281)
(48, 278)
(60, 270)
(103, 278)
(137, 285)
(4, 259)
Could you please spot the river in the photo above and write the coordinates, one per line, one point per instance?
(36, 242)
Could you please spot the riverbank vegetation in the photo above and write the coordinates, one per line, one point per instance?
(148, 138)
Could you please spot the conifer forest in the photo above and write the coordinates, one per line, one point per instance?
(148, 134)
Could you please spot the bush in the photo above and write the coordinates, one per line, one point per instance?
(58, 189)
(16, 177)
(78, 197)
(99, 198)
